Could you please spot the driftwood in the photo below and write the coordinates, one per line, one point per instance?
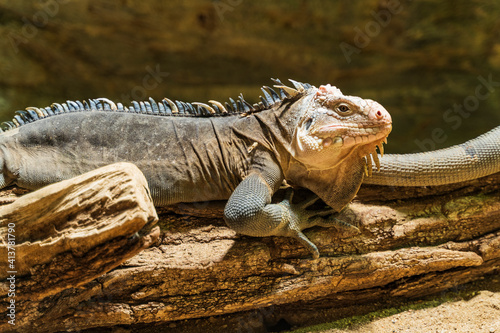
(69, 233)
(412, 242)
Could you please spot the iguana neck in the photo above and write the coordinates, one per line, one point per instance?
(273, 129)
(336, 186)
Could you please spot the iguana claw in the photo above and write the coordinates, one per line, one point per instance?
(302, 218)
(308, 244)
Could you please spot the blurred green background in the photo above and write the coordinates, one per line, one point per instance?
(423, 60)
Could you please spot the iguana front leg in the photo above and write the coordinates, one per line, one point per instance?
(249, 211)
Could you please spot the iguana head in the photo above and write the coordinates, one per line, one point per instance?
(334, 127)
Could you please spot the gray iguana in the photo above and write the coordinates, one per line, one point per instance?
(316, 138)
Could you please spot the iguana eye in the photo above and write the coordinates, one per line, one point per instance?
(343, 109)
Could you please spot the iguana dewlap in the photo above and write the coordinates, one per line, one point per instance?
(311, 137)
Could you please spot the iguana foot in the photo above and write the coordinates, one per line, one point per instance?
(302, 218)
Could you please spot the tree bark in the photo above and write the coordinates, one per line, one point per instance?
(412, 242)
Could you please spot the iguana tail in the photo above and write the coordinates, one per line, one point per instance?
(473, 159)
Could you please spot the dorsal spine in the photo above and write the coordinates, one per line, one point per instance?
(165, 107)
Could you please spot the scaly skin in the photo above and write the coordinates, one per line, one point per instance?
(316, 138)
(473, 159)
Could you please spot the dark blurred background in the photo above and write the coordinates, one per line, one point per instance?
(434, 65)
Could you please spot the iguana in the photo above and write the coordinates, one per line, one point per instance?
(316, 138)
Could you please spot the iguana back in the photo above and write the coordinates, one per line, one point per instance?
(200, 156)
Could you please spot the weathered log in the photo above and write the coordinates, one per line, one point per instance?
(67, 234)
(429, 241)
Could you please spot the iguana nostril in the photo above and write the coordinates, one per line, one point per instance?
(379, 114)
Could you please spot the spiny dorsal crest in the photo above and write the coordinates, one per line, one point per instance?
(165, 107)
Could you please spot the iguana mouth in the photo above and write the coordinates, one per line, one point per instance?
(368, 138)
(353, 134)
(353, 128)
